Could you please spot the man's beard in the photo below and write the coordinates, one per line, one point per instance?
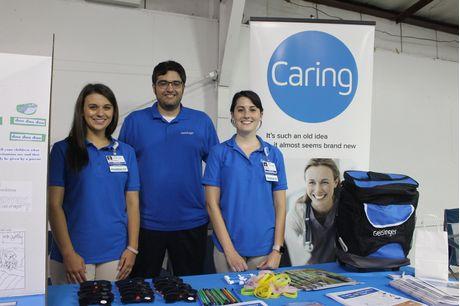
(169, 107)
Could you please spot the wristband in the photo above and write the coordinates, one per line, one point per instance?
(133, 250)
(279, 248)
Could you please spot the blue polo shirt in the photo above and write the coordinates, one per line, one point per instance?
(94, 201)
(170, 156)
(246, 197)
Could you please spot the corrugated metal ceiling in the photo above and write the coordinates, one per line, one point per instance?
(440, 15)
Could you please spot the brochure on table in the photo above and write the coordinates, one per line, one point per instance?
(371, 297)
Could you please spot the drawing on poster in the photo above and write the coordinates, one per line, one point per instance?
(12, 259)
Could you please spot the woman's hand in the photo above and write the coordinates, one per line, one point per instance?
(272, 261)
(126, 264)
(236, 262)
(75, 267)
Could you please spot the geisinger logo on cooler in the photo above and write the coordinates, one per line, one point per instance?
(385, 232)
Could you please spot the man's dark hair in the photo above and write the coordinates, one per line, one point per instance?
(163, 68)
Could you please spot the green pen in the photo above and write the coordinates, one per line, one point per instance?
(222, 296)
(210, 297)
(206, 297)
(217, 296)
(203, 298)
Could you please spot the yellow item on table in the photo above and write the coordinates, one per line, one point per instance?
(268, 285)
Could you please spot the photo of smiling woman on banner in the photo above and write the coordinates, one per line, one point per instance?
(246, 187)
(93, 195)
(310, 222)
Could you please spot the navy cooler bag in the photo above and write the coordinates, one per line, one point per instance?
(375, 220)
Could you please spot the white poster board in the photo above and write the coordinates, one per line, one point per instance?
(315, 81)
(25, 83)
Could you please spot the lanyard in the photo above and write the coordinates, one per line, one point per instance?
(266, 151)
(115, 147)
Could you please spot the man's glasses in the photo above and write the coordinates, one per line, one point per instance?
(163, 84)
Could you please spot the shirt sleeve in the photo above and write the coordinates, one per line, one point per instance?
(212, 171)
(57, 166)
(279, 162)
(133, 183)
(124, 131)
(211, 138)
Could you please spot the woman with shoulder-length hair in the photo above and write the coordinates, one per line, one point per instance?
(93, 195)
(310, 224)
(246, 193)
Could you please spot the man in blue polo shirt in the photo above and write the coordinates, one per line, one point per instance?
(171, 142)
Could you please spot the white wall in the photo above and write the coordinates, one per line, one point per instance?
(415, 125)
(114, 45)
(415, 104)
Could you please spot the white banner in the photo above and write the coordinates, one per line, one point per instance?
(25, 83)
(315, 82)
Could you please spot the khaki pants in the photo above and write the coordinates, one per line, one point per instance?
(107, 271)
(220, 262)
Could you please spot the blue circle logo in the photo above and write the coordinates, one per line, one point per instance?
(312, 76)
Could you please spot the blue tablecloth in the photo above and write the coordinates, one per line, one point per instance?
(28, 300)
(67, 294)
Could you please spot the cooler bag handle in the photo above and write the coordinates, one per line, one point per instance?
(376, 176)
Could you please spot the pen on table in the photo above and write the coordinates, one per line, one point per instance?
(229, 296)
(210, 302)
(203, 292)
(210, 297)
(200, 300)
(217, 296)
(223, 296)
(203, 298)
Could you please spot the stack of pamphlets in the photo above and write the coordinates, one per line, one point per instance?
(371, 297)
(312, 279)
(424, 291)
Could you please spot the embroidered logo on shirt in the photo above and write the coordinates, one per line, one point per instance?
(187, 133)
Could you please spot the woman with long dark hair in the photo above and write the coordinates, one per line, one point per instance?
(246, 193)
(93, 195)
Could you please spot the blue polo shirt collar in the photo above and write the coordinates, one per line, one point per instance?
(112, 145)
(263, 146)
(183, 113)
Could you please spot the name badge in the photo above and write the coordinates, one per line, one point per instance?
(270, 171)
(117, 163)
(115, 160)
(269, 167)
(118, 168)
(271, 177)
